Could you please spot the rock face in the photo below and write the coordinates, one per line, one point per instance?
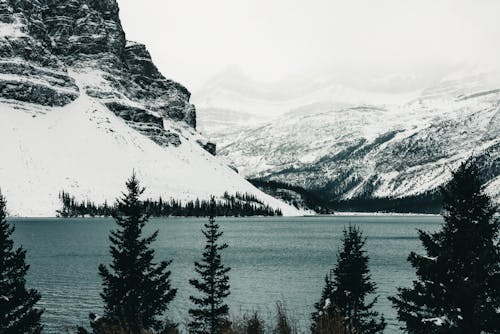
(81, 108)
(43, 42)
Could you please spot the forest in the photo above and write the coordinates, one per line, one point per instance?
(238, 205)
(456, 289)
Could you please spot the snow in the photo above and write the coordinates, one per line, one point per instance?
(41, 82)
(439, 321)
(327, 303)
(11, 30)
(493, 189)
(131, 43)
(434, 132)
(86, 150)
(233, 91)
(308, 158)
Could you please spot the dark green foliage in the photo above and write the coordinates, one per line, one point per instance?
(348, 288)
(234, 206)
(323, 305)
(100, 326)
(72, 208)
(230, 205)
(284, 192)
(209, 314)
(327, 318)
(429, 202)
(458, 280)
(254, 324)
(136, 290)
(324, 201)
(247, 323)
(246, 197)
(17, 303)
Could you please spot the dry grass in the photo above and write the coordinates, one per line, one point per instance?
(330, 324)
(248, 323)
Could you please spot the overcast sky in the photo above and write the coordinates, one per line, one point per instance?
(191, 40)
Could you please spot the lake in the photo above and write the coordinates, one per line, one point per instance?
(272, 259)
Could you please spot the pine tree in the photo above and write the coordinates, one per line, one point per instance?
(458, 280)
(136, 289)
(350, 286)
(17, 303)
(210, 312)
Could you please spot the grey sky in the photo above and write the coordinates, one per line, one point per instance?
(191, 40)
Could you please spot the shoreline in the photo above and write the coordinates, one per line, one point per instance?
(382, 214)
(336, 214)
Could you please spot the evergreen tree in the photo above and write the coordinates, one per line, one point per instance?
(17, 303)
(348, 289)
(210, 312)
(458, 280)
(136, 289)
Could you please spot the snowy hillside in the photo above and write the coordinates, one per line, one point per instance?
(370, 149)
(81, 109)
(231, 99)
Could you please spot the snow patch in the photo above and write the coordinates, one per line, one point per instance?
(12, 30)
(84, 149)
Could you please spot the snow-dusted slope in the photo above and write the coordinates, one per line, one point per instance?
(81, 109)
(86, 150)
(231, 99)
(376, 150)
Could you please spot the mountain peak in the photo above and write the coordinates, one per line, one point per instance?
(84, 35)
(82, 107)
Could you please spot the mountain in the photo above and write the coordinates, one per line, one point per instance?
(384, 145)
(231, 98)
(81, 108)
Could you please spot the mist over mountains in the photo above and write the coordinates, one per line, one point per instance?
(344, 142)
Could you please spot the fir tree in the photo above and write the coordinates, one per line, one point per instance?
(136, 289)
(458, 280)
(348, 289)
(17, 303)
(210, 312)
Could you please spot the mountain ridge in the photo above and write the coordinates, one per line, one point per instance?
(348, 151)
(82, 107)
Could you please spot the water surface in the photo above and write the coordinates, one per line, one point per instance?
(271, 258)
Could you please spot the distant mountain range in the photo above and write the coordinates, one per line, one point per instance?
(345, 143)
(81, 108)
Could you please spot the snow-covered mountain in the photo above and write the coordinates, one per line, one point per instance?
(231, 98)
(348, 143)
(81, 108)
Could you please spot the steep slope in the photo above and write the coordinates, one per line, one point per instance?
(81, 108)
(375, 150)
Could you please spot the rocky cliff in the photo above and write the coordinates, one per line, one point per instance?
(81, 108)
(43, 41)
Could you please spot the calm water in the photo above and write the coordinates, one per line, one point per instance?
(271, 258)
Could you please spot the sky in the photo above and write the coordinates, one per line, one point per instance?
(192, 40)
